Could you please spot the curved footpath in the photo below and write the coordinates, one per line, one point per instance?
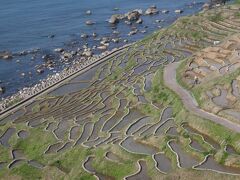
(89, 66)
(189, 102)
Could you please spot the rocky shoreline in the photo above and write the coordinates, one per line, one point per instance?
(52, 80)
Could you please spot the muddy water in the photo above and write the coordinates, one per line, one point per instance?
(54, 147)
(138, 124)
(142, 172)
(235, 88)
(185, 160)
(163, 163)
(6, 136)
(23, 134)
(86, 133)
(66, 146)
(195, 145)
(167, 113)
(62, 129)
(148, 82)
(113, 120)
(131, 145)
(222, 99)
(163, 127)
(69, 88)
(128, 119)
(74, 132)
(172, 131)
(211, 164)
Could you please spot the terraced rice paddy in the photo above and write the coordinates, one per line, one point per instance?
(118, 120)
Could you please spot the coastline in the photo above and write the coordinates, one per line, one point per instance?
(55, 80)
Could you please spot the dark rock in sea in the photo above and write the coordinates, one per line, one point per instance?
(59, 50)
(5, 55)
(115, 18)
(40, 71)
(2, 90)
(89, 22)
(132, 32)
(152, 10)
(133, 15)
(178, 11)
(84, 36)
(165, 11)
(94, 34)
(88, 12)
(139, 21)
(87, 53)
(115, 40)
(115, 32)
(115, 9)
(51, 36)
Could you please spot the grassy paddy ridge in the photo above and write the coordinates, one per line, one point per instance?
(118, 117)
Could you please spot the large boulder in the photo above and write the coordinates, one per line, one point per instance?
(2, 90)
(89, 22)
(6, 55)
(133, 15)
(115, 18)
(152, 10)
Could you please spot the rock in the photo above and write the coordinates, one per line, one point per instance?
(2, 90)
(165, 11)
(115, 18)
(178, 11)
(115, 40)
(94, 34)
(206, 6)
(115, 32)
(5, 55)
(67, 55)
(84, 36)
(51, 36)
(87, 53)
(115, 9)
(133, 15)
(151, 10)
(59, 50)
(40, 71)
(89, 22)
(139, 21)
(132, 32)
(88, 12)
(102, 47)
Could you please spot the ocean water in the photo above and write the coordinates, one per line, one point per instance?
(26, 25)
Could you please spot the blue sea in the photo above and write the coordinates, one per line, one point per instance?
(27, 25)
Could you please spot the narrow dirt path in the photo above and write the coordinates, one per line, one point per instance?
(189, 101)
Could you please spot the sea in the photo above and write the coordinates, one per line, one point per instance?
(39, 27)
